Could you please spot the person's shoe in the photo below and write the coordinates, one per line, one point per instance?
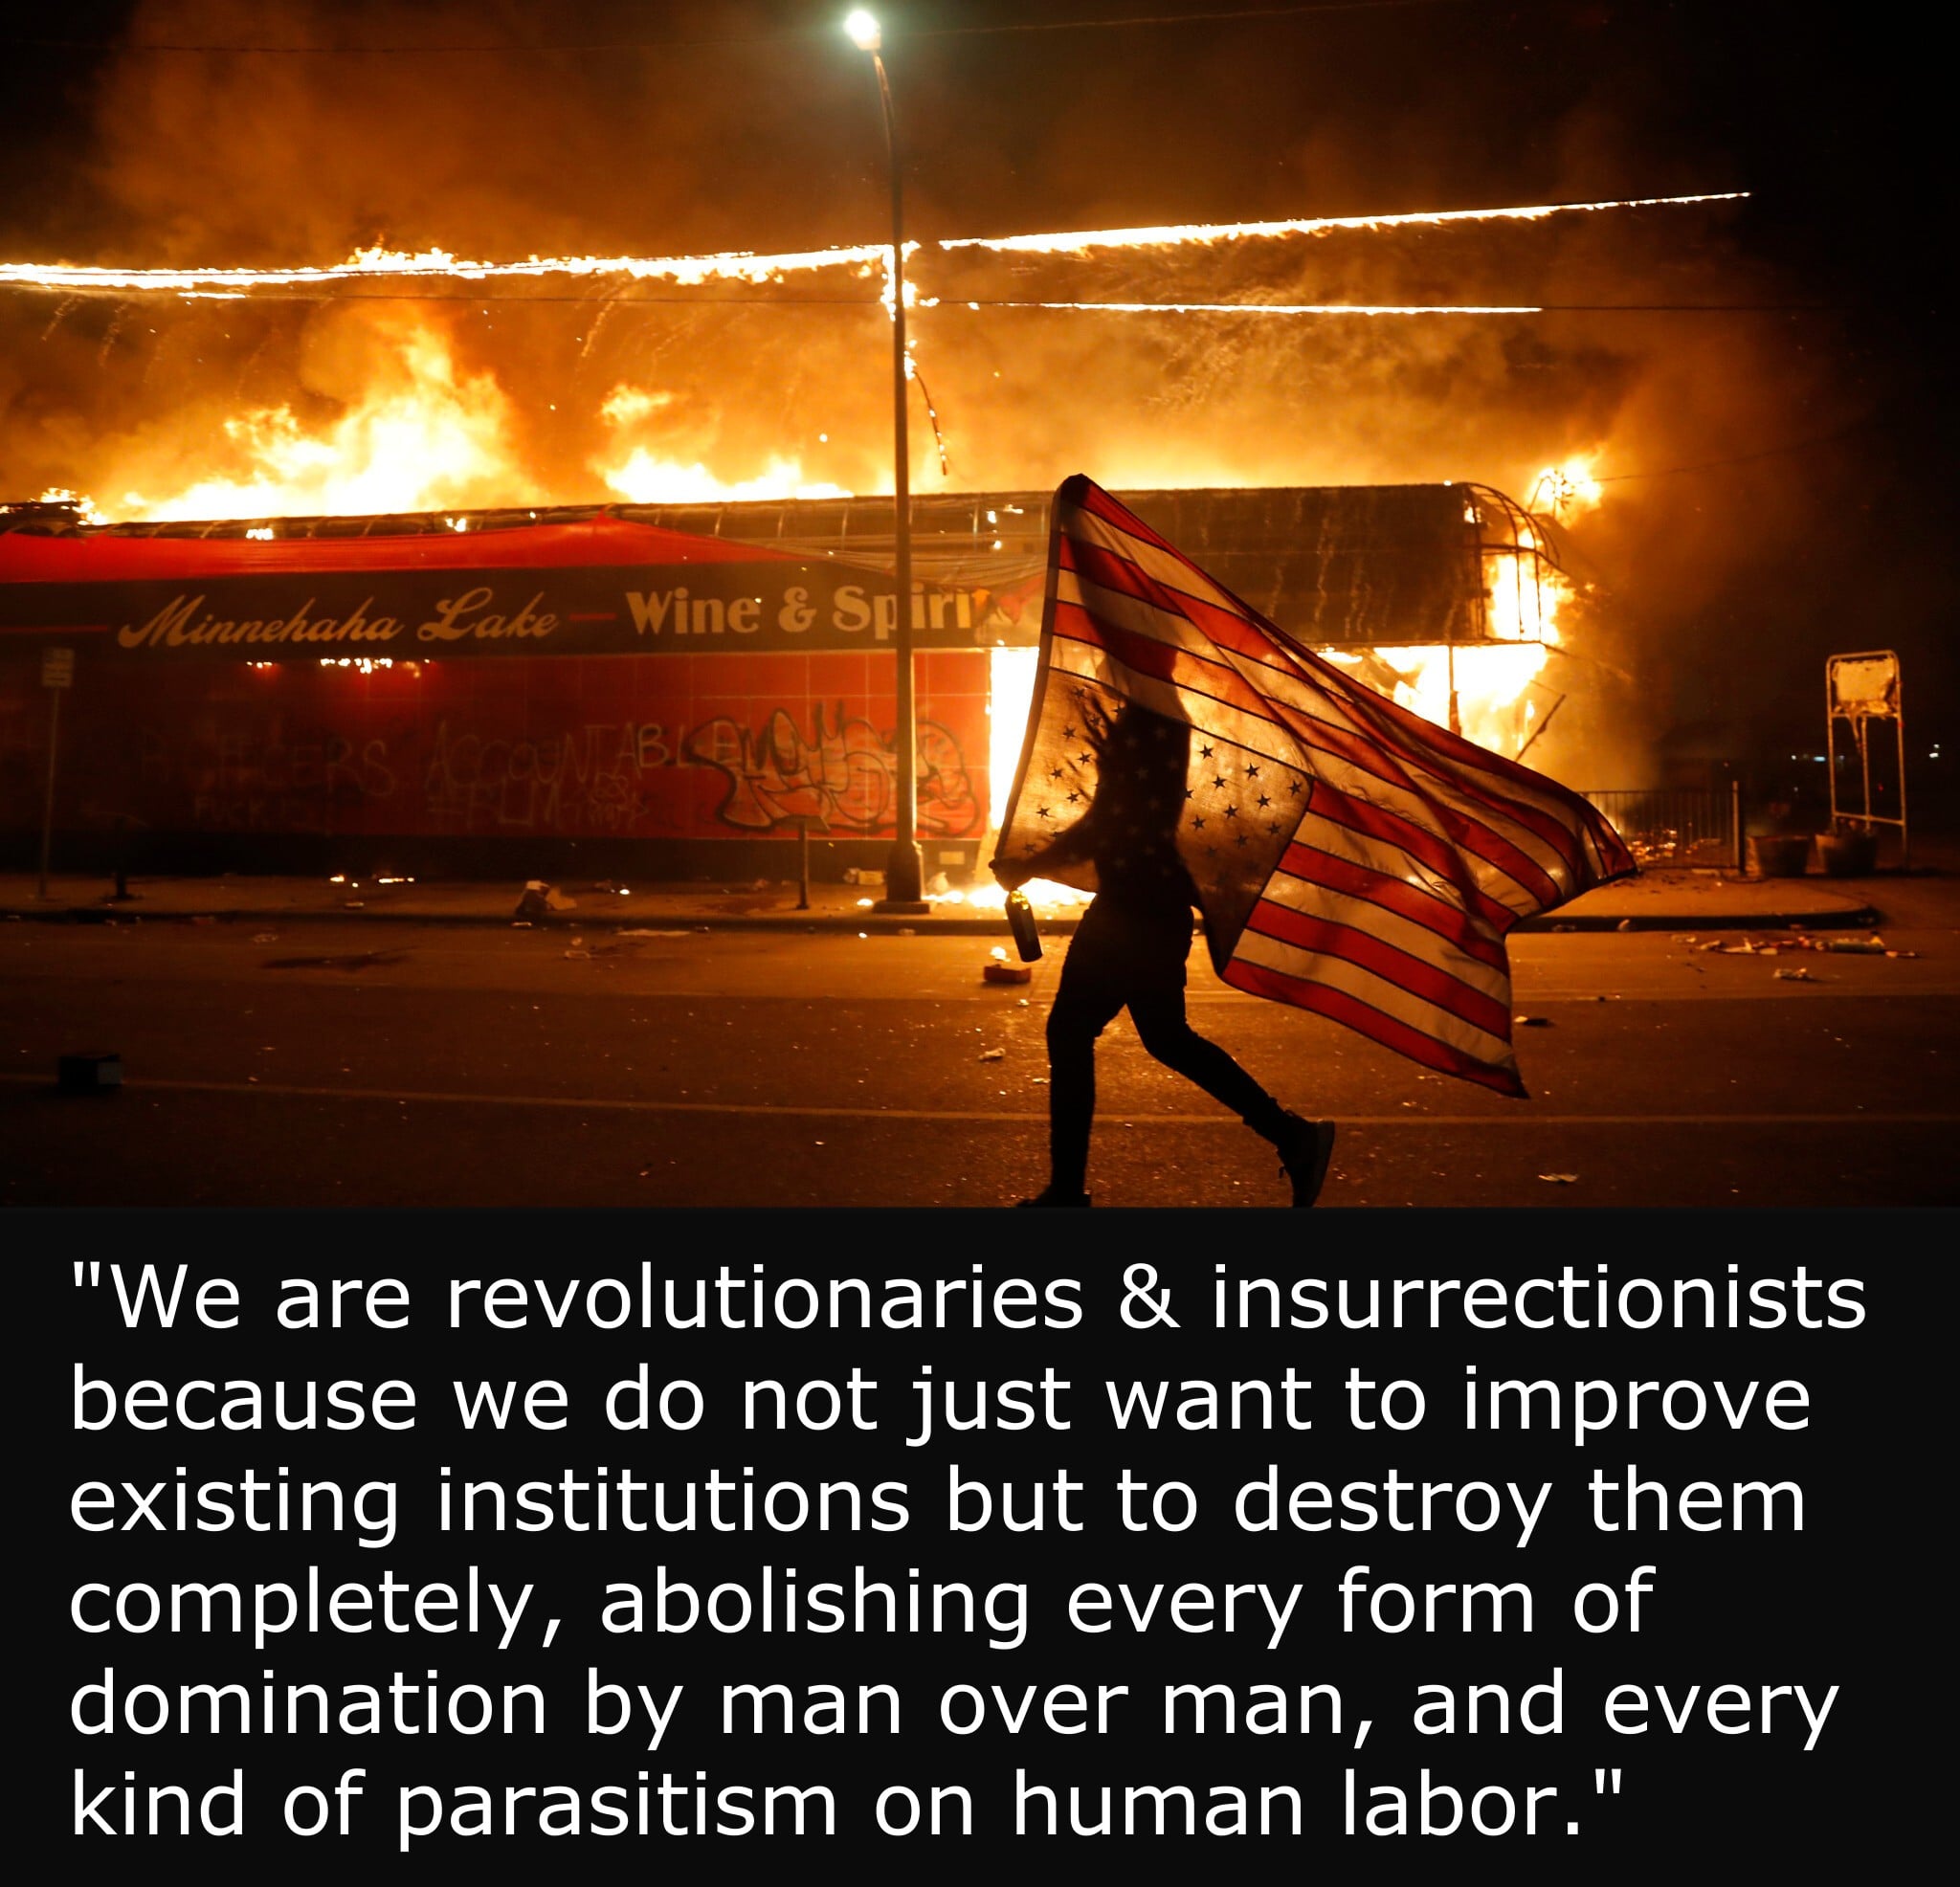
(1049, 1196)
(1305, 1151)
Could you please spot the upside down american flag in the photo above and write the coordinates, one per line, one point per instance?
(1350, 857)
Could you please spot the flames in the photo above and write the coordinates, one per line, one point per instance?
(422, 435)
(641, 473)
(377, 264)
(417, 430)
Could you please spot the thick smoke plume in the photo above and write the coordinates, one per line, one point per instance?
(767, 139)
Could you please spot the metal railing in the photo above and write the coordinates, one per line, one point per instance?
(1679, 827)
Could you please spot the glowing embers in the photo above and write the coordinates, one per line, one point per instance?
(1164, 235)
(438, 264)
(1562, 491)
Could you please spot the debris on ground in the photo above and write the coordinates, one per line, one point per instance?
(1560, 1179)
(656, 933)
(1532, 1021)
(266, 937)
(1798, 975)
(857, 875)
(993, 1055)
(539, 900)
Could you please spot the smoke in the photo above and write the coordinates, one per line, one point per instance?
(765, 136)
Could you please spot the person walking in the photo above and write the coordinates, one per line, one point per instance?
(1130, 951)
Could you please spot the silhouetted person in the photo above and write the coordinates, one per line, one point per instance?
(1130, 952)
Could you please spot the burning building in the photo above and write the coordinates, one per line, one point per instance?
(667, 689)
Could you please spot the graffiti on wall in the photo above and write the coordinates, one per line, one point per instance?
(586, 780)
(843, 776)
(178, 757)
(271, 784)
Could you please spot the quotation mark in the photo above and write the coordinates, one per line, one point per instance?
(1599, 1788)
(94, 1270)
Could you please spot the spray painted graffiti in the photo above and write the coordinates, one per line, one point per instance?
(586, 780)
(841, 776)
(254, 783)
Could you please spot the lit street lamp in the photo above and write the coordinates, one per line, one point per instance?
(905, 877)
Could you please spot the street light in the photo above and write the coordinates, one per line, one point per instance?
(904, 876)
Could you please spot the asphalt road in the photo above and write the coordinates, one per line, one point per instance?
(451, 1066)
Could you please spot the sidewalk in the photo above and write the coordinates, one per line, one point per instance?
(1655, 901)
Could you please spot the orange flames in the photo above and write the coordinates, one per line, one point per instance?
(423, 434)
(643, 475)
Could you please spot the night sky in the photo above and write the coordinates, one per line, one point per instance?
(1776, 457)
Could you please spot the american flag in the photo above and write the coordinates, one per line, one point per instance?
(1350, 857)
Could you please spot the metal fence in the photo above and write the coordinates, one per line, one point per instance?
(1676, 827)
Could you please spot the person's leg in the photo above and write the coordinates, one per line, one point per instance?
(1304, 1146)
(1167, 1033)
(1086, 1000)
(1083, 1008)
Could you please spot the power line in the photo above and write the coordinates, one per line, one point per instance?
(598, 299)
(1856, 426)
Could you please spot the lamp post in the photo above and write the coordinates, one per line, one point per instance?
(904, 876)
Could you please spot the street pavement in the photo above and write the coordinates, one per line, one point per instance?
(411, 1045)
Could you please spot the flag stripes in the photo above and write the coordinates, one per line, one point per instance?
(1352, 858)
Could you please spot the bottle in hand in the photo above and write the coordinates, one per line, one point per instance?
(1020, 920)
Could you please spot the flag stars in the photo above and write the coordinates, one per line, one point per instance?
(1197, 824)
(1203, 753)
(1218, 780)
(1252, 772)
(1265, 801)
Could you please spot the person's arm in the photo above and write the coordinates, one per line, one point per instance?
(1064, 849)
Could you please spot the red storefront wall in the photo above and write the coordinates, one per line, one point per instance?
(670, 747)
